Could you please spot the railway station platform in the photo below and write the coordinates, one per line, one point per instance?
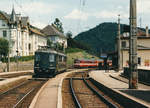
(112, 80)
(49, 96)
(16, 72)
(6, 84)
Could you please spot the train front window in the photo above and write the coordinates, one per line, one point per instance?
(37, 57)
(51, 58)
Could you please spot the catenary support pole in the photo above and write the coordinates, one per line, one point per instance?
(133, 79)
(119, 46)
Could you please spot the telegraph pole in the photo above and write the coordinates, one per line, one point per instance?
(133, 79)
(119, 46)
(17, 49)
(8, 66)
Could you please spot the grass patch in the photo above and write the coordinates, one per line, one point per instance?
(73, 50)
(75, 53)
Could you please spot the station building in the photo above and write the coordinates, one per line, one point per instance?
(143, 48)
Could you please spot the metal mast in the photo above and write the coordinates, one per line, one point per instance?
(119, 46)
(133, 80)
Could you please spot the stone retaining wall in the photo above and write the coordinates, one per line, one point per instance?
(28, 65)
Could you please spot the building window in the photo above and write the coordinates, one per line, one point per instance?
(3, 23)
(139, 60)
(53, 38)
(123, 44)
(29, 47)
(4, 33)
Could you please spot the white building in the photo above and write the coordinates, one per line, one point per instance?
(36, 39)
(23, 37)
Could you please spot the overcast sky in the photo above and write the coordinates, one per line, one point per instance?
(77, 15)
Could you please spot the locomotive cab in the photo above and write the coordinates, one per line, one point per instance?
(48, 63)
(45, 63)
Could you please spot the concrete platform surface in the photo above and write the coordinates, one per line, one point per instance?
(142, 95)
(50, 95)
(9, 73)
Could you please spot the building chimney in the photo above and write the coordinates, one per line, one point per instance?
(147, 31)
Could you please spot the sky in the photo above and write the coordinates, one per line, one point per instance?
(77, 15)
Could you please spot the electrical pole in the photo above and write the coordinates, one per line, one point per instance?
(17, 49)
(8, 66)
(119, 46)
(133, 79)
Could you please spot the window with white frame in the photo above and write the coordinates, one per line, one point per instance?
(53, 38)
(4, 33)
(3, 23)
(123, 44)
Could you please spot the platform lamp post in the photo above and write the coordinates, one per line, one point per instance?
(133, 77)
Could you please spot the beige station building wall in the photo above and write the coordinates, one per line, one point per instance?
(143, 55)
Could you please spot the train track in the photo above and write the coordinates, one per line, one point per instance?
(76, 101)
(21, 95)
(86, 95)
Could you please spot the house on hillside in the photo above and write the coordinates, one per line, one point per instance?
(23, 38)
(143, 46)
(55, 35)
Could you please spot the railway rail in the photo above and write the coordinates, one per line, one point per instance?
(76, 101)
(101, 97)
(84, 94)
(21, 95)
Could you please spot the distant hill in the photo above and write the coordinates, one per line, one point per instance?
(101, 37)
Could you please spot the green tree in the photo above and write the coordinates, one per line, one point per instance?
(58, 46)
(58, 24)
(69, 34)
(49, 43)
(4, 47)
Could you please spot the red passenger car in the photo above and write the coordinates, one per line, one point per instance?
(90, 63)
(86, 63)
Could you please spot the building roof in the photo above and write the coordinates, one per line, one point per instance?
(139, 47)
(13, 17)
(50, 30)
(138, 37)
(7, 17)
(36, 30)
(25, 21)
(141, 34)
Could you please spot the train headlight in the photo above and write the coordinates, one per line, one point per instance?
(51, 65)
(37, 64)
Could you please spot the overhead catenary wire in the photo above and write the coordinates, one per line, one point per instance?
(81, 11)
(22, 8)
